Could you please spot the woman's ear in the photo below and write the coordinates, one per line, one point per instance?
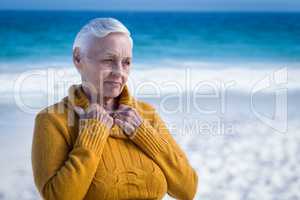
(77, 60)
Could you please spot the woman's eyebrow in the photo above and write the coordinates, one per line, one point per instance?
(110, 54)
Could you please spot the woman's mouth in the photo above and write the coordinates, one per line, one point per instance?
(113, 83)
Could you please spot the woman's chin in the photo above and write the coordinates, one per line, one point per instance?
(112, 92)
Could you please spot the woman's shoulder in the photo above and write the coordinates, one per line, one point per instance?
(144, 105)
(55, 120)
(147, 110)
(57, 112)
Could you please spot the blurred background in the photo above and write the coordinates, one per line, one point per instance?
(227, 76)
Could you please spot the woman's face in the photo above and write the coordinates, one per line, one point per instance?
(106, 63)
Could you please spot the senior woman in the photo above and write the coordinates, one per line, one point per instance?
(117, 147)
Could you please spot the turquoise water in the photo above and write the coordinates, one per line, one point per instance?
(29, 36)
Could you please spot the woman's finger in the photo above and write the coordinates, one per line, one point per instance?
(123, 107)
(131, 120)
(128, 128)
(79, 110)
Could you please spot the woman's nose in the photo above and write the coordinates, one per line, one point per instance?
(117, 69)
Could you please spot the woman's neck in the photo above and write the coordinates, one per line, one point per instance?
(108, 103)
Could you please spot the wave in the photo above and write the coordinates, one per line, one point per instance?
(167, 76)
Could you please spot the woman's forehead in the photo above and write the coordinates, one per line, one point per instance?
(113, 45)
(111, 52)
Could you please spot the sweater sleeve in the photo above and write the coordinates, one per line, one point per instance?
(61, 173)
(157, 142)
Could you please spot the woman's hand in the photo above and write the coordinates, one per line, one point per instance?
(128, 119)
(95, 111)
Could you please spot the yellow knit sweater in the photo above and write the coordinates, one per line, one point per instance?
(82, 159)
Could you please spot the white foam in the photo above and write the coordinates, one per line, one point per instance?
(166, 76)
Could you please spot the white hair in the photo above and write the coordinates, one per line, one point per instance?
(99, 27)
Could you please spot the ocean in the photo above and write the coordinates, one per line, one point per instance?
(226, 83)
(204, 36)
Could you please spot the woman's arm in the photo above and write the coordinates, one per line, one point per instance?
(60, 172)
(159, 144)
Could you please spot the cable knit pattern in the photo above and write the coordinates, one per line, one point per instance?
(92, 135)
(86, 160)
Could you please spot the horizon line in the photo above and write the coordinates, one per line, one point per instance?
(166, 10)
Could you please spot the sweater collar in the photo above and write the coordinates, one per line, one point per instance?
(77, 97)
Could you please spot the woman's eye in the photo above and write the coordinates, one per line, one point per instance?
(127, 62)
(108, 60)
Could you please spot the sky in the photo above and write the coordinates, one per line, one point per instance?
(140, 5)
